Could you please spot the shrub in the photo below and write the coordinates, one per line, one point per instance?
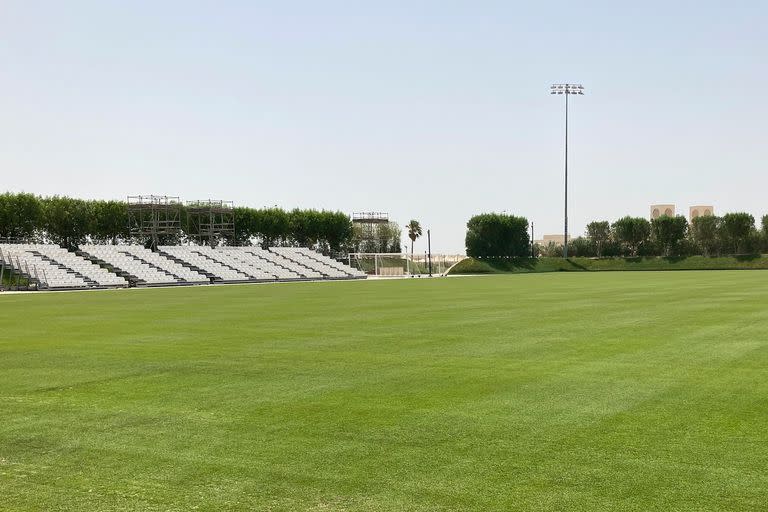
(497, 235)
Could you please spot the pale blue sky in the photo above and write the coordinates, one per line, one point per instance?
(434, 110)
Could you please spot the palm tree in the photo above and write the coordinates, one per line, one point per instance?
(414, 232)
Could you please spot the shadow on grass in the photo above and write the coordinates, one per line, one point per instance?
(575, 265)
(512, 264)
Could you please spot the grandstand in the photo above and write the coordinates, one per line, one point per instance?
(330, 269)
(215, 264)
(233, 264)
(141, 266)
(48, 266)
(261, 259)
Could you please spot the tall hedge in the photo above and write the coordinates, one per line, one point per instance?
(496, 235)
(21, 215)
(70, 222)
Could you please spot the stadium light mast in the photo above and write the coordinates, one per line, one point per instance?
(566, 90)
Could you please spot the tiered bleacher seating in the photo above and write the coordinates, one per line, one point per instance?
(89, 270)
(294, 266)
(346, 269)
(142, 265)
(267, 261)
(257, 264)
(247, 259)
(207, 260)
(168, 265)
(326, 266)
(54, 267)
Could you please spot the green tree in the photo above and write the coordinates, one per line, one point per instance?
(583, 247)
(736, 229)
(552, 250)
(20, 216)
(327, 231)
(108, 221)
(495, 235)
(385, 237)
(339, 231)
(243, 218)
(389, 237)
(271, 226)
(66, 221)
(600, 234)
(632, 233)
(304, 227)
(764, 234)
(669, 232)
(705, 231)
(414, 232)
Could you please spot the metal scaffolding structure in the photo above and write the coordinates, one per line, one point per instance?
(208, 221)
(366, 235)
(154, 217)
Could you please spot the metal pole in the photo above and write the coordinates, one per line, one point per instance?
(429, 251)
(18, 273)
(565, 235)
(29, 275)
(2, 269)
(37, 278)
(212, 219)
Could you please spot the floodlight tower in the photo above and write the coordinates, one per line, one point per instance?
(567, 90)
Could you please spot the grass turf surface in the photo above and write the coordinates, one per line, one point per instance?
(614, 391)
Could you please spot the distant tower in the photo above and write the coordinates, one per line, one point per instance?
(657, 210)
(700, 211)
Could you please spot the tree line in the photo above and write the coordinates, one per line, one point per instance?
(494, 235)
(732, 233)
(70, 222)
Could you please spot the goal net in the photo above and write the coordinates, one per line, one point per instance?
(401, 264)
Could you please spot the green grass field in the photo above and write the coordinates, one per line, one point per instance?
(561, 391)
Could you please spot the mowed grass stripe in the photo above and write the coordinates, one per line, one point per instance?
(632, 391)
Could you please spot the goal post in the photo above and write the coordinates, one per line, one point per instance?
(389, 264)
(380, 263)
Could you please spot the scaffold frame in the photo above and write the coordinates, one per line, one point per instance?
(210, 220)
(151, 216)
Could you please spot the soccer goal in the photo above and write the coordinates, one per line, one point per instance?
(389, 264)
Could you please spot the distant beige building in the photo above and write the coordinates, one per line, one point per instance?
(700, 211)
(546, 239)
(657, 210)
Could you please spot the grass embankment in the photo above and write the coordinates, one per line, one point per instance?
(526, 265)
(602, 391)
